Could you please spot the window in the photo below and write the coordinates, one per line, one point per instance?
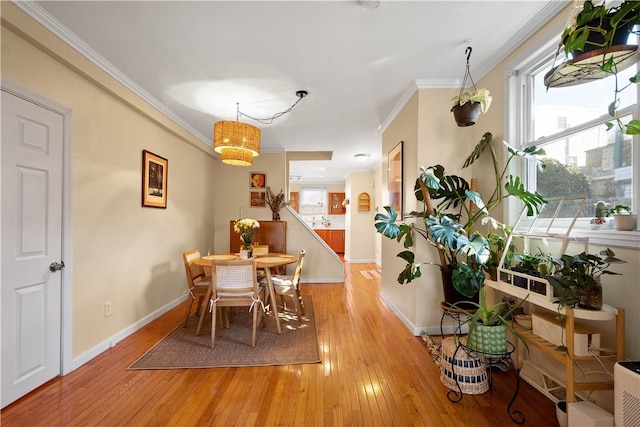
(313, 203)
(582, 156)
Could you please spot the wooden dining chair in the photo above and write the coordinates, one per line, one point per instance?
(235, 284)
(260, 250)
(289, 286)
(197, 283)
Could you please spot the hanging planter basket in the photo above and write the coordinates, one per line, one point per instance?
(466, 114)
(468, 105)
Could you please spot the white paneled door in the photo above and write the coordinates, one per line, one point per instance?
(31, 230)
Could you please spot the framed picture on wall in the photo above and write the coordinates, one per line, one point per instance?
(258, 199)
(395, 179)
(257, 180)
(154, 180)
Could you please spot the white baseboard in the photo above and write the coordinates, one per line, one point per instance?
(421, 330)
(115, 339)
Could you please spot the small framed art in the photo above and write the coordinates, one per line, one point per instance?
(154, 180)
(257, 180)
(258, 199)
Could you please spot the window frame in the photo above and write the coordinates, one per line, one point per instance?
(518, 130)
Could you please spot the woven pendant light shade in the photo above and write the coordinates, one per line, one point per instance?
(236, 157)
(236, 135)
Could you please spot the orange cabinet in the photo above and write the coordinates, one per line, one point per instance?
(335, 204)
(293, 200)
(333, 238)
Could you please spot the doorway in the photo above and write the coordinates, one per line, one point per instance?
(34, 342)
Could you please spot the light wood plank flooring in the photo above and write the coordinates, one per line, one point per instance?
(373, 373)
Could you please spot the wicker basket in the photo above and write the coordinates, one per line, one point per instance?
(470, 372)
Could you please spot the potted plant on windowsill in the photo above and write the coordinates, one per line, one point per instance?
(451, 208)
(577, 278)
(623, 218)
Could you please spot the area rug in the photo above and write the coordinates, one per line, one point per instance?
(371, 274)
(183, 349)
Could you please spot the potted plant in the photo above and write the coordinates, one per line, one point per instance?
(532, 265)
(467, 106)
(275, 203)
(577, 278)
(595, 45)
(488, 326)
(497, 246)
(623, 218)
(447, 219)
(601, 213)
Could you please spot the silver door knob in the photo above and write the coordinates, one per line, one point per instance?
(56, 266)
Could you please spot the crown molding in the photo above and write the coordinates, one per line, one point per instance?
(36, 12)
(549, 11)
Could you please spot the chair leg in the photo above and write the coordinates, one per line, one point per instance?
(213, 326)
(297, 307)
(186, 317)
(255, 324)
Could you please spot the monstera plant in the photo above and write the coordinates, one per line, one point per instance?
(451, 208)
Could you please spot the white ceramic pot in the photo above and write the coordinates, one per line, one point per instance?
(625, 222)
(244, 254)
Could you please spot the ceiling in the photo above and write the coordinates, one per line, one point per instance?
(359, 63)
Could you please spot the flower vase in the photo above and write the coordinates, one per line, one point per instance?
(591, 299)
(275, 216)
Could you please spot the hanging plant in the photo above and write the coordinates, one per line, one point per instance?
(468, 105)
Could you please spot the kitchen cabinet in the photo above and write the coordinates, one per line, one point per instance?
(335, 204)
(333, 238)
(293, 200)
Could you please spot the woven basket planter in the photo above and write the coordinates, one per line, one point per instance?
(470, 372)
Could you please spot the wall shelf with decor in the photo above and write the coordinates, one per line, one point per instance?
(364, 202)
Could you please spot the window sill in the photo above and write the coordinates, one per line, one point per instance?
(610, 238)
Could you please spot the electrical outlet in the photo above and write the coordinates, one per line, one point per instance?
(107, 309)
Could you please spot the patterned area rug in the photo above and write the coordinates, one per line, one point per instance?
(371, 274)
(183, 349)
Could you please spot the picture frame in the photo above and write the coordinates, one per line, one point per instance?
(257, 180)
(257, 199)
(155, 172)
(395, 178)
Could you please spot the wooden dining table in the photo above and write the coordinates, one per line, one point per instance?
(265, 262)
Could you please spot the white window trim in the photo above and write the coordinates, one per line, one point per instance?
(516, 130)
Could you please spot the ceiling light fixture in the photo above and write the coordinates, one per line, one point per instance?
(237, 142)
(362, 157)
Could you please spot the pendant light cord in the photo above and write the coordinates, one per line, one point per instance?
(268, 120)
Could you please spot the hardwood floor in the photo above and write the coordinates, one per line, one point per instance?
(373, 373)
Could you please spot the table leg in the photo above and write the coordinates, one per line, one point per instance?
(274, 303)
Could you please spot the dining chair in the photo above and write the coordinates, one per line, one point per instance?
(235, 284)
(197, 282)
(289, 286)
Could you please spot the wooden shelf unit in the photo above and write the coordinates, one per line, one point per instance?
(272, 233)
(568, 358)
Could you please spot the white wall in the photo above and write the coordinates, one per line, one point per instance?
(360, 235)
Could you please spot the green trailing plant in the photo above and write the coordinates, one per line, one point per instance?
(447, 221)
(576, 274)
(605, 22)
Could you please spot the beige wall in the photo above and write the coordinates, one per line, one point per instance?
(122, 253)
(360, 232)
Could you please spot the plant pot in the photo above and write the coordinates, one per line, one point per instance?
(595, 39)
(591, 299)
(275, 216)
(561, 413)
(625, 222)
(451, 295)
(489, 341)
(466, 114)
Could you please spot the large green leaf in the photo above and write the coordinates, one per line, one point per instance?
(484, 142)
(532, 201)
(385, 224)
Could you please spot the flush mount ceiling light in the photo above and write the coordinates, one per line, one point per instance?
(362, 157)
(237, 142)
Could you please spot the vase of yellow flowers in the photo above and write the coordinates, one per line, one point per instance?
(245, 228)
